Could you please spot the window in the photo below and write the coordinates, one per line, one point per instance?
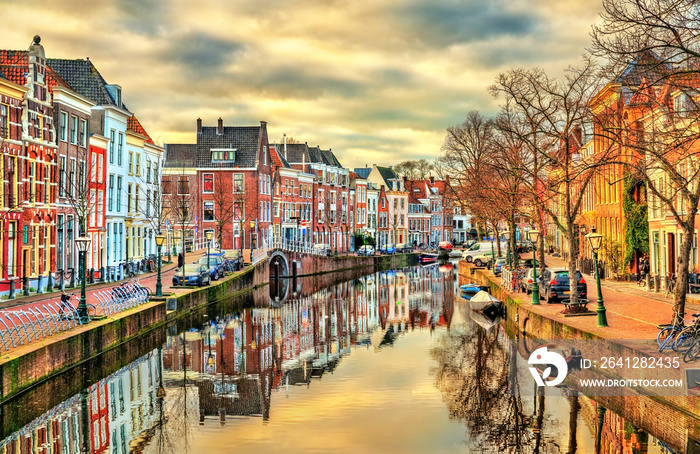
(110, 197)
(137, 199)
(111, 146)
(682, 105)
(148, 171)
(238, 182)
(228, 155)
(100, 165)
(62, 177)
(131, 163)
(128, 198)
(63, 126)
(183, 186)
(165, 186)
(93, 168)
(73, 129)
(120, 149)
(138, 164)
(119, 194)
(208, 182)
(208, 214)
(83, 133)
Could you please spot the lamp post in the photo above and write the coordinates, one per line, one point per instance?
(208, 235)
(82, 243)
(594, 240)
(534, 236)
(252, 240)
(159, 244)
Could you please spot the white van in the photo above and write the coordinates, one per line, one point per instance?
(480, 249)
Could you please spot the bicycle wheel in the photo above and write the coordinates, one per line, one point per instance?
(662, 337)
(692, 353)
(684, 339)
(91, 311)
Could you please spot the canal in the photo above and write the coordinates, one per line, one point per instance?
(391, 362)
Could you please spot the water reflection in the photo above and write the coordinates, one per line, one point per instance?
(332, 371)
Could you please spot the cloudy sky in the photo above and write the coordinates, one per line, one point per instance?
(377, 81)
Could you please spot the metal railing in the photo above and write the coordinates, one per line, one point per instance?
(122, 297)
(22, 326)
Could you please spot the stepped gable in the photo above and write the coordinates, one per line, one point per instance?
(244, 139)
(14, 66)
(182, 155)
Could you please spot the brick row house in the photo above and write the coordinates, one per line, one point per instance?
(64, 133)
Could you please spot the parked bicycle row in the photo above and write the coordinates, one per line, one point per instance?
(46, 318)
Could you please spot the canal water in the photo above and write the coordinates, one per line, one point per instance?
(392, 362)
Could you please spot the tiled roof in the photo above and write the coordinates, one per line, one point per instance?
(277, 158)
(14, 64)
(363, 172)
(244, 139)
(315, 155)
(180, 155)
(647, 64)
(296, 152)
(84, 79)
(133, 124)
(644, 95)
(387, 174)
(330, 159)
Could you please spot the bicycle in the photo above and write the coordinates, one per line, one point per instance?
(66, 307)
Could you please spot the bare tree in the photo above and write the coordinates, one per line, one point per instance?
(224, 206)
(179, 203)
(418, 169)
(244, 209)
(659, 39)
(549, 117)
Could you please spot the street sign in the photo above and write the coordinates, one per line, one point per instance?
(303, 224)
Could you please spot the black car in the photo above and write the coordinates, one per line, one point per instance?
(194, 274)
(554, 285)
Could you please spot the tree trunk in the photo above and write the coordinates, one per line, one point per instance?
(573, 281)
(682, 261)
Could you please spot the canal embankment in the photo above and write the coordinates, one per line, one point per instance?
(631, 319)
(29, 365)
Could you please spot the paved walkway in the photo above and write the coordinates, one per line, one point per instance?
(632, 312)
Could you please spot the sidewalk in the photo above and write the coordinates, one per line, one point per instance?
(631, 311)
(147, 280)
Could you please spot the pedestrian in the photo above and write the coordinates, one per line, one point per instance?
(180, 260)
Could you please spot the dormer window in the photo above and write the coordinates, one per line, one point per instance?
(223, 155)
(682, 105)
(115, 91)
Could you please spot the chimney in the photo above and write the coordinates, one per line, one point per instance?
(199, 125)
(220, 129)
(285, 145)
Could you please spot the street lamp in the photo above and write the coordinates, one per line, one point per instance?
(252, 240)
(534, 236)
(209, 235)
(594, 240)
(83, 244)
(159, 243)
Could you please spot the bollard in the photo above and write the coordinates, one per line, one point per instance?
(12, 288)
(40, 284)
(92, 275)
(657, 282)
(102, 274)
(25, 283)
(648, 282)
(49, 283)
(62, 280)
(121, 272)
(72, 278)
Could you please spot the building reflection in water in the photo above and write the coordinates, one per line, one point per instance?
(230, 367)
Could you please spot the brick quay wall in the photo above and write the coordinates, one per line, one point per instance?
(114, 342)
(673, 419)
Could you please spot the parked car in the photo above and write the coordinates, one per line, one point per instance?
(527, 281)
(387, 249)
(482, 248)
(215, 264)
(192, 274)
(404, 248)
(365, 250)
(498, 267)
(445, 246)
(233, 260)
(554, 285)
(322, 249)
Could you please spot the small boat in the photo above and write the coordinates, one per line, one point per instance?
(473, 288)
(483, 301)
(427, 257)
